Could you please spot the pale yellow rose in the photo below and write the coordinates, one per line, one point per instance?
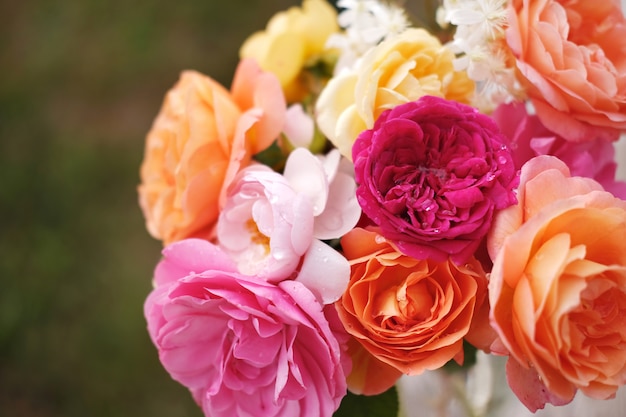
(292, 39)
(398, 70)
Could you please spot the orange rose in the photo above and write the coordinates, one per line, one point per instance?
(409, 314)
(558, 285)
(571, 55)
(200, 139)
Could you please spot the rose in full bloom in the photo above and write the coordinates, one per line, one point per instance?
(558, 286)
(200, 139)
(431, 173)
(241, 345)
(273, 224)
(398, 70)
(527, 137)
(571, 56)
(410, 314)
(292, 40)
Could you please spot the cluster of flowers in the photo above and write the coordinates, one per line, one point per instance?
(367, 199)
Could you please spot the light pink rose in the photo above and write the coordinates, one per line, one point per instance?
(272, 224)
(528, 137)
(241, 345)
(557, 289)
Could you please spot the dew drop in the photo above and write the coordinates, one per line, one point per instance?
(502, 160)
(379, 239)
(278, 255)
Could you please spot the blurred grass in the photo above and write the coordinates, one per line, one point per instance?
(81, 83)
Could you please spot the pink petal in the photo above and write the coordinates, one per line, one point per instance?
(342, 210)
(527, 385)
(325, 272)
(299, 126)
(306, 175)
(190, 256)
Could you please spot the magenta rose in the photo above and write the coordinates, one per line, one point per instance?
(431, 173)
(527, 137)
(243, 346)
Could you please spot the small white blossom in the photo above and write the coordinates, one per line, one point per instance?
(478, 40)
(366, 23)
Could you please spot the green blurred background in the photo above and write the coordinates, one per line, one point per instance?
(81, 81)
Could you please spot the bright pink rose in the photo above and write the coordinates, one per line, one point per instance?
(557, 289)
(571, 56)
(527, 137)
(241, 345)
(430, 174)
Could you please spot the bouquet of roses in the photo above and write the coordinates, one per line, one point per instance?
(372, 199)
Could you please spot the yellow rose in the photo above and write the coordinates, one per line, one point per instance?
(292, 39)
(398, 70)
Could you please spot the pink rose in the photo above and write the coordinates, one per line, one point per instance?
(557, 289)
(241, 345)
(430, 174)
(527, 137)
(571, 56)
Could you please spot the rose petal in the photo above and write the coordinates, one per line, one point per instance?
(325, 272)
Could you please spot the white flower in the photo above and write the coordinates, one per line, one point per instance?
(478, 42)
(366, 23)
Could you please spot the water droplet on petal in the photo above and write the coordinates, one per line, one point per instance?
(278, 255)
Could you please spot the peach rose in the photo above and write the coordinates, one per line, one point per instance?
(397, 71)
(200, 139)
(292, 40)
(558, 286)
(409, 314)
(571, 56)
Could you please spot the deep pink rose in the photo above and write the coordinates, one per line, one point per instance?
(244, 346)
(430, 174)
(527, 137)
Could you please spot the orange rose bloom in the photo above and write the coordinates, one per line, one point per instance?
(409, 314)
(558, 284)
(571, 56)
(200, 139)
